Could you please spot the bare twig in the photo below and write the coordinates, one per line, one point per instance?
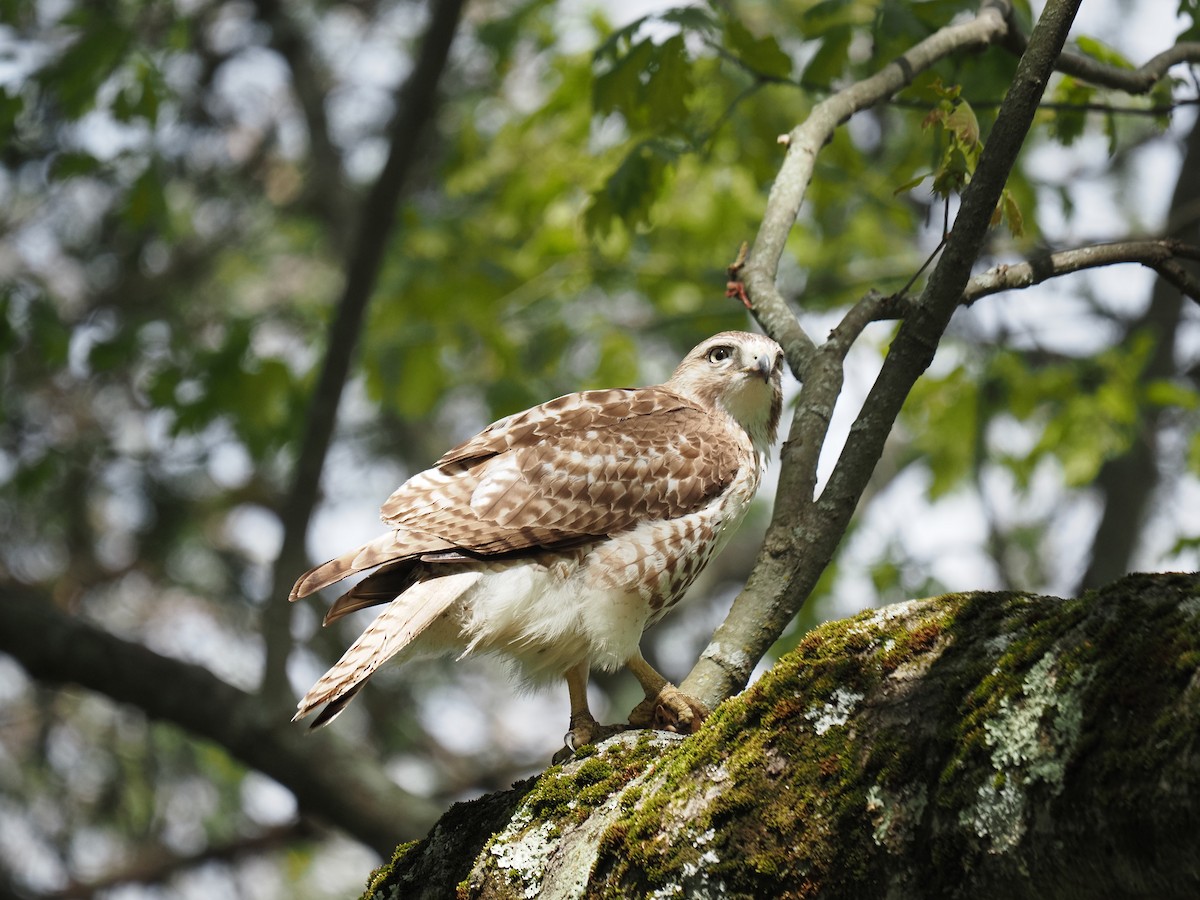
(1093, 71)
(414, 110)
(1160, 255)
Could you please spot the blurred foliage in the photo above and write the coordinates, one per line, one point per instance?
(168, 272)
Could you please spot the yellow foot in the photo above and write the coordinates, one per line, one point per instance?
(584, 730)
(670, 710)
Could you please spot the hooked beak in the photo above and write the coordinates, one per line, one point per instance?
(762, 367)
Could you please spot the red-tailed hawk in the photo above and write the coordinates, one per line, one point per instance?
(556, 536)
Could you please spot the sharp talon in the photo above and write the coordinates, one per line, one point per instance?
(671, 710)
(569, 741)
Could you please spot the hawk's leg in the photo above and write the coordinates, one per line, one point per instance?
(584, 727)
(666, 707)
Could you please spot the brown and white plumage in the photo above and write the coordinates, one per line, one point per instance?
(557, 535)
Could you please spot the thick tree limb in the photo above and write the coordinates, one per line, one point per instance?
(331, 781)
(156, 864)
(996, 745)
(414, 110)
(1127, 483)
(804, 533)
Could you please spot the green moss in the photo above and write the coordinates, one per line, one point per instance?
(926, 732)
(786, 750)
(383, 874)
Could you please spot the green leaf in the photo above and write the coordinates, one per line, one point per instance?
(963, 124)
(1100, 51)
(1011, 213)
(910, 184)
(1190, 9)
(105, 356)
(760, 54)
(146, 204)
(11, 106)
(1068, 124)
(80, 72)
(141, 98)
(73, 163)
(632, 189)
(669, 84)
(829, 62)
(829, 14)
(1171, 394)
(690, 18)
(649, 85)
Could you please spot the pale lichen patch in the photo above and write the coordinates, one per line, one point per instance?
(895, 815)
(522, 852)
(1031, 736)
(835, 713)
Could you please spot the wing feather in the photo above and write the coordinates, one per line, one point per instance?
(577, 468)
(554, 486)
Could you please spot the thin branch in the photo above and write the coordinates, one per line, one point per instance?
(326, 184)
(1093, 71)
(414, 110)
(1062, 106)
(805, 142)
(1160, 255)
(330, 779)
(872, 307)
(804, 533)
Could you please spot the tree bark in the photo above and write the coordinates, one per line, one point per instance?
(1000, 745)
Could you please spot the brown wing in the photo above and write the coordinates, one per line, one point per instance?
(569, 414)
(579, 467)
(608, 462)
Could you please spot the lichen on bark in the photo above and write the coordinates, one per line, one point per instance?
(996, 744)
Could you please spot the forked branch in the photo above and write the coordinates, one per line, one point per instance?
(805, 530)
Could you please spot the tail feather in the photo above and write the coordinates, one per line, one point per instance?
(379, 587)
(333, 709)
(394, 630)
(382, 550)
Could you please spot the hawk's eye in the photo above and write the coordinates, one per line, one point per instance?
(719, 354)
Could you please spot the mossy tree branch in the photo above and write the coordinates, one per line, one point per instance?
(996, 745)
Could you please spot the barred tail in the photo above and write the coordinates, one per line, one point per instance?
(393, 632)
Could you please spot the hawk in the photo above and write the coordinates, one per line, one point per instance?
(556, 536)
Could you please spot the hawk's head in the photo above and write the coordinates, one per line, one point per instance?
(740, 373)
